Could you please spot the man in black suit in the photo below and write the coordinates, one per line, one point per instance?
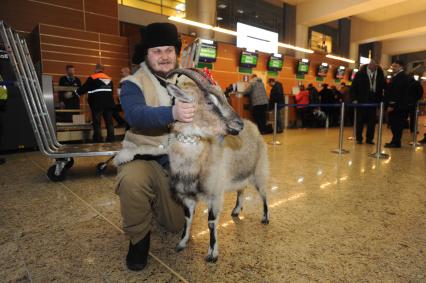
(397, 100)
(66, 98)
(367, 87)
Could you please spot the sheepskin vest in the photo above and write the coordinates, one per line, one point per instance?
(153, 142)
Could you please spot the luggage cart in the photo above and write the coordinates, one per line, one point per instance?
(35, 105)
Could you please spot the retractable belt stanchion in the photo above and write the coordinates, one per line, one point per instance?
(274, 139)
(354, 129)
(340, 150)
(379, 153)
(414, 143)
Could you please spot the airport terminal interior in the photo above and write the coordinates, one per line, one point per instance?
(336, 91)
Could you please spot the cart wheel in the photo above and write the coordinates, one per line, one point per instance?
(51, 173)
(101, 168)
(70, 163)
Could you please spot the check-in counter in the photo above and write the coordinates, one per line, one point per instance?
(241, 104)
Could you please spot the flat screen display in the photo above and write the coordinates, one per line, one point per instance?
(275, 63)
(248, 59)
(322, 70)
(340, 72)
(208, 53)
(303, 67)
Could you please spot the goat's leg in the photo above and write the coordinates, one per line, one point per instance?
(239, 205)
(214, 208)
(262, 193)
(189, 208)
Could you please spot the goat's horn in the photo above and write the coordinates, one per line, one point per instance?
(202, 82)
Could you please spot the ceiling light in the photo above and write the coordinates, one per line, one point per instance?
(295, 48)
(180, 7)
(340, 58)
(219, 18)
(191, 23)
(227, 31)
(221, 6)
(240, 11)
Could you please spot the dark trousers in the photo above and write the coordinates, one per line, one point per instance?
(96, 123)
(365, 116)
(259, 116)
(397, 121)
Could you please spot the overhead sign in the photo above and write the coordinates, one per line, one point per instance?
(256, 39)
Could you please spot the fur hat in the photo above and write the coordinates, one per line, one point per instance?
(154, 35)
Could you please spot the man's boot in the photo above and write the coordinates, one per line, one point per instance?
(137, 256)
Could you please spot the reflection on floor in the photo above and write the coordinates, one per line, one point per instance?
(333, 218)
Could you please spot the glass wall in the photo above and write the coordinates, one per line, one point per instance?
(252, 12)
(162, 7)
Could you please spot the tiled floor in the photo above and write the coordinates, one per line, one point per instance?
(333, 218)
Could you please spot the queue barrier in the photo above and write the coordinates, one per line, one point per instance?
(340, 150)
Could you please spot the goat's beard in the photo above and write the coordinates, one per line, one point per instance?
(160, 73)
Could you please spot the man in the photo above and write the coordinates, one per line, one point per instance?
(143, 183)
(302, 111)
(66, 98)
(327, 97)
(99, 88)
(415, 93)
(367, 87)
(259, 102)
(276, 96)
(347, 99)
(3, 102)
(124, 72)
(397, 102)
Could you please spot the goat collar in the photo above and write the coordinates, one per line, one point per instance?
(188, 139)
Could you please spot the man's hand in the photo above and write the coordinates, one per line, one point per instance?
(183, 112)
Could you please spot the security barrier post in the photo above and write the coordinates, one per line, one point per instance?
(379, 153)
(340, 150)
(414, 143)
(274, 139)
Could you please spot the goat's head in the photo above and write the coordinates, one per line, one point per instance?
(213, 116)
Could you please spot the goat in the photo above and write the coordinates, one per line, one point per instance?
(216, 153)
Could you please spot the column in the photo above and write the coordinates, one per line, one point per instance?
(301, 39)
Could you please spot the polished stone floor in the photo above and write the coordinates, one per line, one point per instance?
(334, 218)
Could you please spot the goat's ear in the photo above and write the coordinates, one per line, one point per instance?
(179, 93)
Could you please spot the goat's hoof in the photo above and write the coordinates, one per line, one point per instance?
(179, 248)
(211, 258)
(235, 214)
(265, 221)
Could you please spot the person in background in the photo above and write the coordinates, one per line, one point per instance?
(327, 97)
(99, 88)
(124, 72)
(302, 111)
(397, 99)
(276, 96)
(66, 98)
(347, 99)
(415, 93)
(3, 102)
(367, 87)
(259, 102)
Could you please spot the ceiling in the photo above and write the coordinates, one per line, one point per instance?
(394, 11)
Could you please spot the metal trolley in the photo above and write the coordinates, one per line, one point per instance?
(41, 123)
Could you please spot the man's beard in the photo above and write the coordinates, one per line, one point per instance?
(160, 73)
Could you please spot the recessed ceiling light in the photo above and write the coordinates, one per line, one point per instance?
(221, 6)
(240, 11)
(219, 18)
